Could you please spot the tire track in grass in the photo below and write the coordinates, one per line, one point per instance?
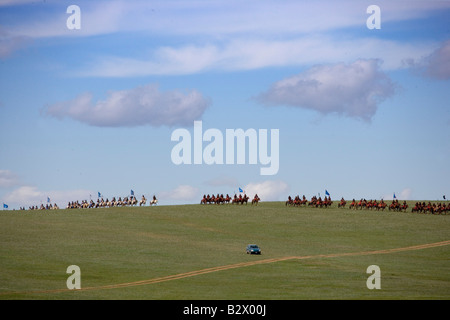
(235, 266)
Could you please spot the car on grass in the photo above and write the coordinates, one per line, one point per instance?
(253, 249)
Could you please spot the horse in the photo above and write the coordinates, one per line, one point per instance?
(342, 203)
(303, 201)
(394, 205)
(404, 206)
(417, 208)
(382, 205)
(219, 199)
(296, 202)
(352, 204)
(255, 200)
(133, 201)
(313, 202)
(362, 204)
(120, 202)
(241, 199)
(327, 202)
(318, 202)
(289, 201)
(154, 201)
(143, 201)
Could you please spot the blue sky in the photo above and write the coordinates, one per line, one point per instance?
(361, 112)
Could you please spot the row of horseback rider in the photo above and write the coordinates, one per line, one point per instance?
(317, 202)
(48, 206)
(221, 199)
(101, 203)
(420, 207)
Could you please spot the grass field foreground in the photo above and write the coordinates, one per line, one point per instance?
(198, 252)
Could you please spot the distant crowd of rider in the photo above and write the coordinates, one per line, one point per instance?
(433, 208)
(119, 202)
(221, 199)
(48, 206)
(316, 202)
(100, 203)
(395, 205)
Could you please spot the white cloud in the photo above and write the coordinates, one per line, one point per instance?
(15, 2)
(164, 61)
(144, 105)
(181, 193)
(435, 65)
(26, 196)
(405, 194)
(267, 190)
(11, 43)
(352, 90)
(8, 179)
(214, 18)
(254, 53)
(48, 19)
(234, 35)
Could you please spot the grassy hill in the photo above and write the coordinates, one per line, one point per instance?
(198, 252)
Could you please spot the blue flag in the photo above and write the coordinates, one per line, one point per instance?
(99, 195)
(240, 190)
(5, 206)
(48, 199)
(326, 193)
(394, 196)
(132, 192)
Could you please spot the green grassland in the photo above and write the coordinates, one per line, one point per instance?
(131, 244)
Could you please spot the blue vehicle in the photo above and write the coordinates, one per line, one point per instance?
(253, 249)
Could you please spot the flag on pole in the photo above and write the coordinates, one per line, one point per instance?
(132, 192)
(99, 195)
(5, 206)
(48, 199)
(326, 193)
(395, 196)
(240, 190)
(444, 197)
